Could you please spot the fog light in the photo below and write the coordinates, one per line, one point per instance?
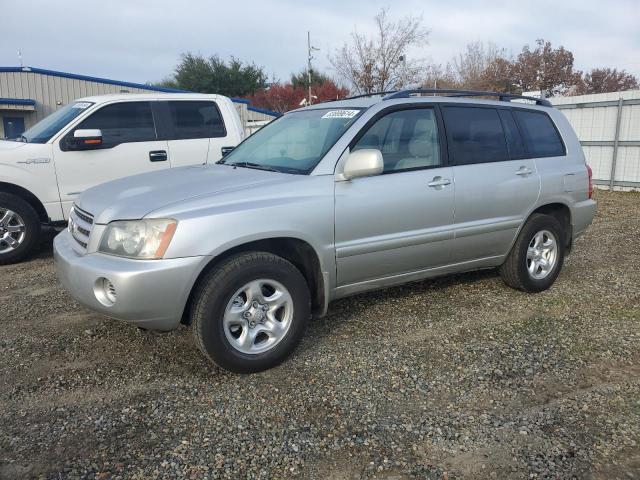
(109, 290)
(105, 292)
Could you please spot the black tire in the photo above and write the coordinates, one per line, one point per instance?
(32, 228)
(214, 293)
(514, 270)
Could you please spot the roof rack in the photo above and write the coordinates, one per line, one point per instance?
(503, 97)
(372, 94)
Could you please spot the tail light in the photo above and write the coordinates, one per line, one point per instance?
(590, 172)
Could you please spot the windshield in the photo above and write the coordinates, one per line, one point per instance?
(46, 128)
(294, 143)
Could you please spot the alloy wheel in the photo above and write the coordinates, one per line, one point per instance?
(12, 230)
(258, 316)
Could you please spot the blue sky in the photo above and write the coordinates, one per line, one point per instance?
(141, 41)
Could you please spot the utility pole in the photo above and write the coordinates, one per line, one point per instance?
(310, 50)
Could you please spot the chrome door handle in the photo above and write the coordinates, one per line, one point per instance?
(439, 182)
(158, 156)
(524, 171)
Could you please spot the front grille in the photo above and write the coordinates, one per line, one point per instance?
(87, 217)
(80, 223)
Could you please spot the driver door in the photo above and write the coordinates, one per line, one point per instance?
(402, 220)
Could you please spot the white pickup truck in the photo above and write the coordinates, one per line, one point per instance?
(96, 139)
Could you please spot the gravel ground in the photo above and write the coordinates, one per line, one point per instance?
(460, 377)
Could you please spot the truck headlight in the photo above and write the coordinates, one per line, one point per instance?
(142, 239)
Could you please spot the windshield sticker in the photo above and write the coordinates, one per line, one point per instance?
(81, 105)
(341, 114)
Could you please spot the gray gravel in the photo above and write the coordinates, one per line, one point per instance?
(460, 377)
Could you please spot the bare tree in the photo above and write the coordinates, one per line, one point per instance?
(439, 76)
(380, 63)
(470, 66)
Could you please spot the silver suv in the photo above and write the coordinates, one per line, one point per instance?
(329, 201)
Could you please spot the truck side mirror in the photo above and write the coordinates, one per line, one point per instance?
(85, 139)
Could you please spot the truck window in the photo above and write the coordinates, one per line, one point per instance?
(123, 123)
(195, 119)
(46, 128)
(540, 135)
(474, 135)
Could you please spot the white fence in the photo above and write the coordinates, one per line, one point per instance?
(608, 126)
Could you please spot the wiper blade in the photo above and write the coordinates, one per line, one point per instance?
(256, 166)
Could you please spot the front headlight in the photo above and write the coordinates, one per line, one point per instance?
(142, 239)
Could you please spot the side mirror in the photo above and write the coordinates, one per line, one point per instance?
(363, 163)
(226, 150)
(85, 139)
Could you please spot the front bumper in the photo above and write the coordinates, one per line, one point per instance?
(149, 293)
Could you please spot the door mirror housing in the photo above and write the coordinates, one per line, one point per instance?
(362, 163)
(85, 139)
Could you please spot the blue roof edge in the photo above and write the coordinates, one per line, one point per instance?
(17, 101)
(263, 110)
(88, 78)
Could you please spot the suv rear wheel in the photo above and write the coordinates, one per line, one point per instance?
(19, 228)
(250, 312)
(536, 258)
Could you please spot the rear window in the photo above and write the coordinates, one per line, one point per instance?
(474, 135)
(540, 135)
(514, 140)
(199, 119)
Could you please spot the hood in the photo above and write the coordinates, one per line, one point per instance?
(136, 196)
(10, 145)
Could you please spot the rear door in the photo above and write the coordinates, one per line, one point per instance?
(400, 221)
(496, 185)
(129, 146)
(195, 131)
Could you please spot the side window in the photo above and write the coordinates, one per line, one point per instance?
(123, 123)
(408, 139)
(195, 119)
(514, 140)
(474, 135)
(540, 135)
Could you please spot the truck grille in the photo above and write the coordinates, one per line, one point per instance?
(80, 223)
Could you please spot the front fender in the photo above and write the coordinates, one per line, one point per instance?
(31, 168)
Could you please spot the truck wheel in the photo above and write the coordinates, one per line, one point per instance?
(250, 312)
(19, 228)
(536, 258)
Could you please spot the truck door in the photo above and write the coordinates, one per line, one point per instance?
(129, 146)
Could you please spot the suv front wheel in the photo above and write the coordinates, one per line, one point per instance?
(250, 312)
(536, 258)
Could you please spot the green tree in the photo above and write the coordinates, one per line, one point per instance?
(301, 79)
(232, 78)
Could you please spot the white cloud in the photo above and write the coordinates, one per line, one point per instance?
(141, 41)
